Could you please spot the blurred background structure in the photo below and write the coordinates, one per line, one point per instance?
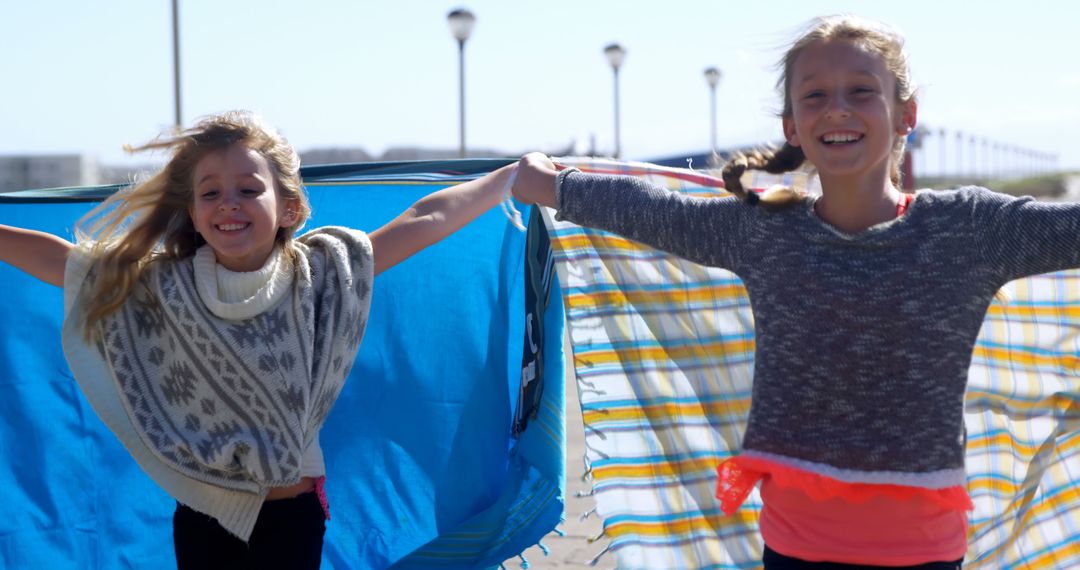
(378, 80)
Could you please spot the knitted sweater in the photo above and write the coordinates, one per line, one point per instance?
(863, 340)
(229, 293)
(219, 401)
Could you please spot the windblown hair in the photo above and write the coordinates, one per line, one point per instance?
(150, 220)
(872, 36)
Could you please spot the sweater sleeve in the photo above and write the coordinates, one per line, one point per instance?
(80, 261)
(338, 245)
(1023, 237)
(702, 230)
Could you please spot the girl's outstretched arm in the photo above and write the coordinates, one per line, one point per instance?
(704, 230)
(40, 254)
(436, 216)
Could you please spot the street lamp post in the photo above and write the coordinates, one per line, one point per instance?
(959, 153)
(461, 25)
(941, 151)
(712, 77)
(998, 166)
(177, 119)
(615, 54)
(974, 155)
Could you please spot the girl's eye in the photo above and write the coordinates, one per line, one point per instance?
(814, 95)
(862, 90)
(209, 194)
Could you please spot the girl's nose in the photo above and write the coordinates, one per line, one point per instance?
(837, 109)
(229, 203)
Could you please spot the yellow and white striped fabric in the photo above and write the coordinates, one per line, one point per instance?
(663, 351)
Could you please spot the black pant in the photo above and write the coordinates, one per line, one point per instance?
(288, 534)
(775, 561)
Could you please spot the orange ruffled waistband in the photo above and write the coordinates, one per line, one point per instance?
(739, 475)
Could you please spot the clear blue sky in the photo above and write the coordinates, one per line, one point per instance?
(90, 76)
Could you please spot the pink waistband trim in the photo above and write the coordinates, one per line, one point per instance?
(320, 491)
(739, 475)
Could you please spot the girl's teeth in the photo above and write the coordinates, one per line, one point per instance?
(840, 138)
(231, 227)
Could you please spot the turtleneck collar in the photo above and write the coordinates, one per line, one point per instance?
(241, 295)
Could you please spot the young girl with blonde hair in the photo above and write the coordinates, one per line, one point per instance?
(867, 303)
(213, 341)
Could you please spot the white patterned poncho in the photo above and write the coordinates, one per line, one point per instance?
(216, 401)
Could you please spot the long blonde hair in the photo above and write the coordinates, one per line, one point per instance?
(150, 220)
(875, 37)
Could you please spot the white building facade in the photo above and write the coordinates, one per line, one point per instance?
(33, 172)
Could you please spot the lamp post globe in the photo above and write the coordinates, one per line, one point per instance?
(461, 23)
(615, 54)
(712, 76)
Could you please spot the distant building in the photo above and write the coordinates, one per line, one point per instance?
(333, 156)
(420, 153)
(130, 174)
(43, 171)
(31, 172)
(351, 155)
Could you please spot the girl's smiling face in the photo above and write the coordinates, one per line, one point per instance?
(236, 207)
(845, 114)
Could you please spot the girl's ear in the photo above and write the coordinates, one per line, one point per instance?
(908, 117)
(290, 214)
(789, 131)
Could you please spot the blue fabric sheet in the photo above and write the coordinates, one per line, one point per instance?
(422, 467)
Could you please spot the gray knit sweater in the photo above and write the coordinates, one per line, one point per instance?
(863, 341)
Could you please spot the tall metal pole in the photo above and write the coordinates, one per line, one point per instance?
(615, 54)
(712, 118)
(974, 156)
(959, 154)
(941, 150)
(712, 78)
(461, 96)
(177, 117)
(618, 145)
(998, 166)
(461, 24)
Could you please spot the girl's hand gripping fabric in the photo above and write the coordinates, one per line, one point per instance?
(535, 182)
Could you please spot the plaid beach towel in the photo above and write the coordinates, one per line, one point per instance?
(663, 351)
